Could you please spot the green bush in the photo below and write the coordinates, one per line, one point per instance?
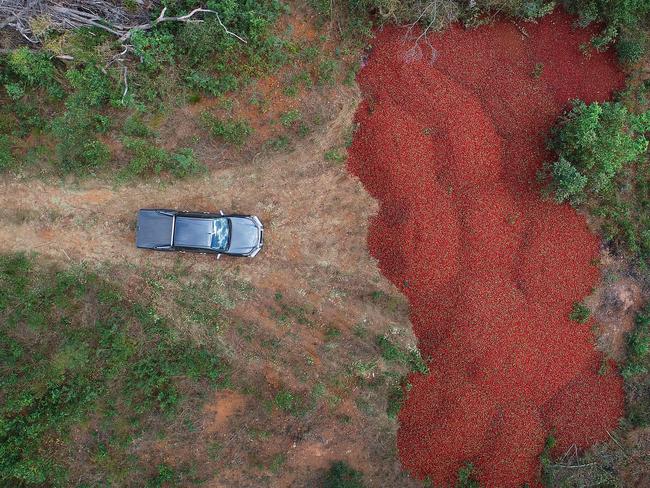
(580, 313)
(392, 352)
(335, 155)
(78, 151)
(638, 346)
(185, 164)
(546, 460)
(92, 87)
(395, 400)
(279, 143)
(342, 475)
(155, 49)
(616, 13)
(134, 126)
(630, 49)
(622, 18)
(216, 87)
(534, 9)
(204, 51)
(326, 71)
(148, 159)
(6, 155)
(568, 182)
(230, 131)
(14, 91)
(593, 143)
(287, 119)
(33, 69)
(290, 402)
(466, 477)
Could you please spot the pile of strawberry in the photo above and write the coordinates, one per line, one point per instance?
(451, 136)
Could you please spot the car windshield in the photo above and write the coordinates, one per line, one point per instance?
(220, 233)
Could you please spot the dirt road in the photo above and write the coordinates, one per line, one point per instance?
(306, 204)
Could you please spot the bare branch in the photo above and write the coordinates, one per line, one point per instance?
(126, 83)
(183, 18)
(100, 14)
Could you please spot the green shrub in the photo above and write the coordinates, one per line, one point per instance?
(185, 164)
(545, 459)
(206, 83)
(615, 13)
(148, 159)
(92, 87)
(568, 183)
(326, 71)
(284, 400)
(290, 402)
(392, 352)
(593, 143)
(34, 69)
(135, 127)
(6, 155)
(636, 370)
(624, 24)
(534, 9)
(638, 346)
(335, 155)
(279, 143)
(204, 51)
(298, 81)
(287, 119)
(395, 400)
(342, 475)
(78, 151)
(165, 474)
(466, 477)
(630, 49)
(580, 313)
(154, 48)
(230, 131)
(14, 91)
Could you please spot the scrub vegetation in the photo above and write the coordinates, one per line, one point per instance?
(76, 353)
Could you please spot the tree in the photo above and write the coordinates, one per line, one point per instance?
(593, 143)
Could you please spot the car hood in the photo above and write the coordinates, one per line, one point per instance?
(244, 235)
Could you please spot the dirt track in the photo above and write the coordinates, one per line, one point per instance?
(306, 204)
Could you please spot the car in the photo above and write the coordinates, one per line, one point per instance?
(201, 232)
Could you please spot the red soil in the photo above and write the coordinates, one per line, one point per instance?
(450, 148)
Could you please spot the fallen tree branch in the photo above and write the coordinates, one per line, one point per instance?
(99, 14)
(182, 18)
(18, 15)
(126, 83)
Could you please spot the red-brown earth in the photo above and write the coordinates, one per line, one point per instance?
(450, 138)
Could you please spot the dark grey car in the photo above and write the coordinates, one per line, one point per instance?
(172, 230)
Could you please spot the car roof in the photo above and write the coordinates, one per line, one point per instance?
(199, 231)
